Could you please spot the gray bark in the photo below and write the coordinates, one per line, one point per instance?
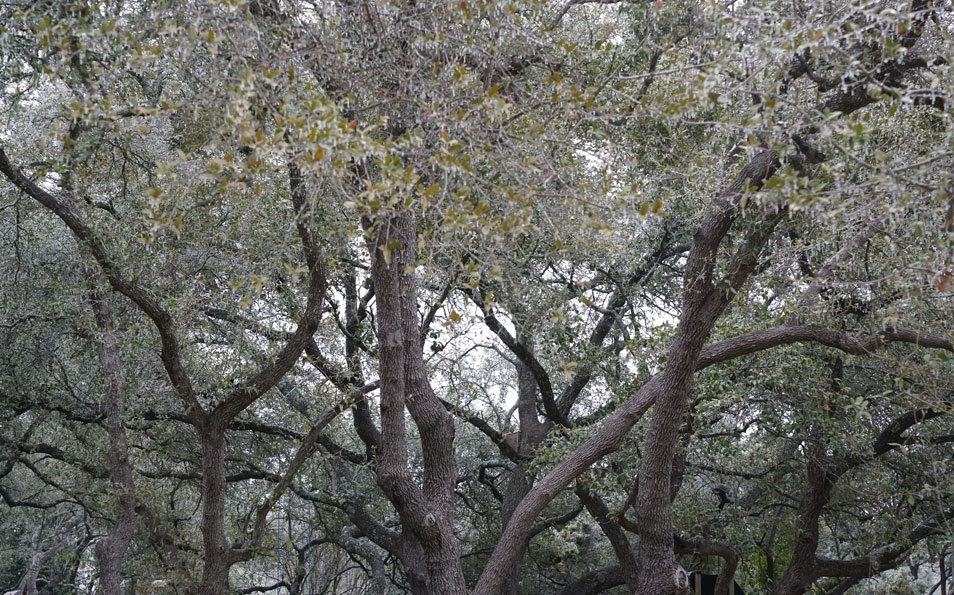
(111, 550)
(532, 432)
(426, 511)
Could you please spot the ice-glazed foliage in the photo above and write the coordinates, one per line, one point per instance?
(503, 296)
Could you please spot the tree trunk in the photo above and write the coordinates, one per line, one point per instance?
(659, 572)
(532, 431)
(703, 302)
(428, 510)
(111, 551)
(215, 547)
(802, 570)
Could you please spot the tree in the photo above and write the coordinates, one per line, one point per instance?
(288, 216)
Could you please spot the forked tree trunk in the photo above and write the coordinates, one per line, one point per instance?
(704, 300)
(426, 510)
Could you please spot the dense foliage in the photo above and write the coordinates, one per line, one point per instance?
(478, 297)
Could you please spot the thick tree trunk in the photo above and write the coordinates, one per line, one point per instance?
(704, 300)
(415, 567)
(659, 572)
(517, 487)
(427, 510)
(216, 552)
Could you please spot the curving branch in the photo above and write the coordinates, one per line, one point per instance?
(613, 532)
(553, 411)
(250, 390)
(170, 353)
(787, 335)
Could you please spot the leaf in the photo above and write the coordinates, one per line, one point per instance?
(569, 370)
(316, 156)
(943, 281)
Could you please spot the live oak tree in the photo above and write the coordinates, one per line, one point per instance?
(441, 285)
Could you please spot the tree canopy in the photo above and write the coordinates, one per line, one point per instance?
(479, 297)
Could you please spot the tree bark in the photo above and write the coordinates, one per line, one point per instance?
(111, 551)
(595, 582)
(704, 301)
(215, 545)
(428, 510)
(532, 431)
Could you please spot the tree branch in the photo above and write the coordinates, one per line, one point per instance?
(170, 353)
(787, 335)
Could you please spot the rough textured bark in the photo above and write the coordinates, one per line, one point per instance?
(427, 511)
(215, 546)
(703, 302)
(595, 582)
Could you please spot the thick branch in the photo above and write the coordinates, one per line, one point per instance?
(787, 335)
(596, 581)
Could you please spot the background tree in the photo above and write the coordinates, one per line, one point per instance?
(477, 297)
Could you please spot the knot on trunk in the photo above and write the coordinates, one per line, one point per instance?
(680, 578)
